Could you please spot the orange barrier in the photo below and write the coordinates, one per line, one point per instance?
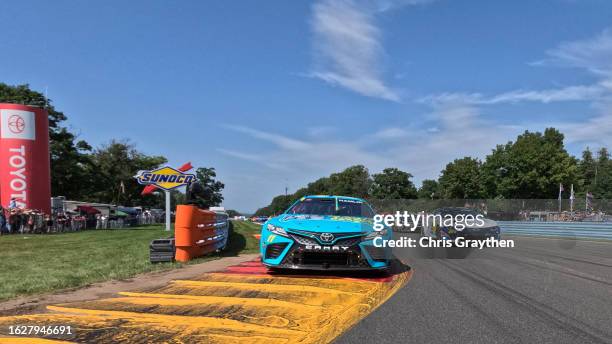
(198, 232)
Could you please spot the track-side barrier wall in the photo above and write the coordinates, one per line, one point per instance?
(590, 230)
(199, 232)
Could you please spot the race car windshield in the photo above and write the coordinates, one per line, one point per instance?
(328, 206)
(457, 211)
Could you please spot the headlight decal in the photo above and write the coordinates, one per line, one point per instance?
(276, 230)
(376, 234)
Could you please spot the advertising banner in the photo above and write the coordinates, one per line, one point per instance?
(25, 173)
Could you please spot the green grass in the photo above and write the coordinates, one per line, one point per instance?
(33, 264)
(242, 239)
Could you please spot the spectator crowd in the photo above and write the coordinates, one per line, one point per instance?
(14, 220)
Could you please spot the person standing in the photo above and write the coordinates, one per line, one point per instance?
(10, 217)
(2, 220)
(49, 220)
(60, 221)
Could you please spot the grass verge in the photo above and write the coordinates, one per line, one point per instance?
(33, 264)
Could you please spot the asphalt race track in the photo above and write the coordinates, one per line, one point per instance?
(543, 290)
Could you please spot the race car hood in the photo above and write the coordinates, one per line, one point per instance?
(487, 224)
(322, 224)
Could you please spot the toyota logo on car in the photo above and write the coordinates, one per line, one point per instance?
(327, 237)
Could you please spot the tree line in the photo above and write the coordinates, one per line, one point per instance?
(531, 167)
(103, 174)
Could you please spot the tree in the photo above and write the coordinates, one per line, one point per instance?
(587, 168)
(280, 203)
(602, 181)
(429, 189)
(212, 189)
(462, 179)
(354, 181)
(531, 168)
(393, 183)
(22, 94)
(116, 163)
(603, 155)
(233, 213)
(320, 186)
(70, 164)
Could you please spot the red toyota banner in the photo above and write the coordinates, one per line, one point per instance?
(25, 173)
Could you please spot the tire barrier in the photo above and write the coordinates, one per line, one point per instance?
(198, 232)
(162, 250)
(242, 304)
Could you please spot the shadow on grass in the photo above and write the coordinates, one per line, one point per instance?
(236, 244)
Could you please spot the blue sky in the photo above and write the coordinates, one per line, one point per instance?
(275, 93)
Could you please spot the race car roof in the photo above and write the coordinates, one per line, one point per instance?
(334, 196)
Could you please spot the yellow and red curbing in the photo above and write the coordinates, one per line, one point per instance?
(242, 304)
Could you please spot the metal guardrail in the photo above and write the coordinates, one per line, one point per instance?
(587, 230)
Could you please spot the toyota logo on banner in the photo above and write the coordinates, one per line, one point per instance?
(326, 237)
(16, 124)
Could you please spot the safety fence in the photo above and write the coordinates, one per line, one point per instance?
(108, 222)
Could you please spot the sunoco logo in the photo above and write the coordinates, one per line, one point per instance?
(166, 178)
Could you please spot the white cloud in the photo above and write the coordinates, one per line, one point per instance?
(348, 52)
(321, 131)
(570, 93)
(307, 157)
(451, 97)
(595, 131)
(387, 5)
(254, 158)
(282, 141)
(457, 126)
(593, 54)
(391, 133)
(459, 131)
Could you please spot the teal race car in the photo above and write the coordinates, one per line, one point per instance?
(324, 233)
